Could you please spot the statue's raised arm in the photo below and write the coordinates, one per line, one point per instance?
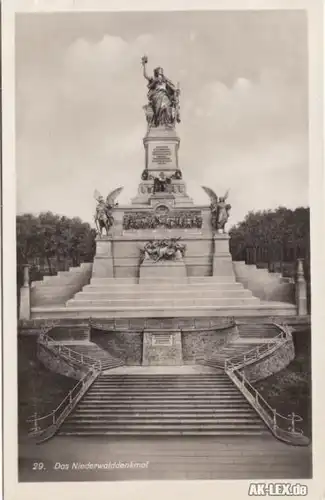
(144, 61)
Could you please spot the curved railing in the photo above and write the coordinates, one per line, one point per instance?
(44, 427)
(262, 350)
(284, 428)
(68, 353)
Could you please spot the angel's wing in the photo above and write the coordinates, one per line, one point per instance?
(212, 195)
(97, 194)
(113, 195)
(226, 195)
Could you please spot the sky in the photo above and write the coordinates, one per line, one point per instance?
(80, 92)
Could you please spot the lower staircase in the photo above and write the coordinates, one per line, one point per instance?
(254, 330)
(163, 404)
(228, 351)
(94, 351)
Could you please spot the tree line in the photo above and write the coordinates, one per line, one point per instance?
(49, 243)
(280, 235)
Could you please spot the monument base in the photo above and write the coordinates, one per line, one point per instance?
(103, 262)
(172, 269)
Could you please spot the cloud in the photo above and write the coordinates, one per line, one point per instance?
(80, 123)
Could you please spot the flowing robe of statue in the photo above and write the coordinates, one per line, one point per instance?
(163, 98)
(222, 213)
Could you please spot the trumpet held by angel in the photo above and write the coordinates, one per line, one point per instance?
(220, 209)
(103, 215)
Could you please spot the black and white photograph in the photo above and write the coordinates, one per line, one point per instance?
(163, 247)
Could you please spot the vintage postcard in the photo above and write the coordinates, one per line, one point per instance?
(162, 250)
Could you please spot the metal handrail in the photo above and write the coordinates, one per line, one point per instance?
(67, 352)
(49, 423)
(261, 350)
(255, 354)
(45, 426)
(281, 426)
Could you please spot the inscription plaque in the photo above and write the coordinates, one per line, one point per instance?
(161, 155)
(162, 339)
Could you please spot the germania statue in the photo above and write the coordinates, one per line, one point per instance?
(163, 99)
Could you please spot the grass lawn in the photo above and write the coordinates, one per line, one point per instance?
(290, 390)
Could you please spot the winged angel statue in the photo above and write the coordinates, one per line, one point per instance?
(219, 209)
(103, 216)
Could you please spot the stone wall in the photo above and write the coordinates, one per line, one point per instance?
(273, 363)
(122, 345)
(162, 349)
(38, 325)
(57, 364)
(197, 345)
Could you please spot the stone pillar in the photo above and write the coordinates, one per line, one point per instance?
(301, 290)
(24, 309)
(103, 262)
(222, 261)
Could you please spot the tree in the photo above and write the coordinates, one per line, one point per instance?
(53, 239)
(281, 232)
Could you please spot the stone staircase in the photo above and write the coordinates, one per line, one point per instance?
(57, 289)
(231, 349)
(188, 292)
(255, 331)
(94, 351)
(264, 284)
(164, 404)
(211, 296)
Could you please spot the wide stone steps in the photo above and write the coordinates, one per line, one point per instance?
(194, 404)
(257, 331)
(160, 294)
(103, 421)
(107, 393)
(176, 412)
(161, 286)
(145, 431)
(229, 351)
(168, 280)
(163, 302)
(120, 397)
(157, 385)
(158, 406)
(161, 311)
(95, 352)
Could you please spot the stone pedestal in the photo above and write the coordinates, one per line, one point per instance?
(222, 261)
(24, 305)
(172, 269)
(24, 309)
(161, 146)
(162, 348)
(301, 290)
(103, 261)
